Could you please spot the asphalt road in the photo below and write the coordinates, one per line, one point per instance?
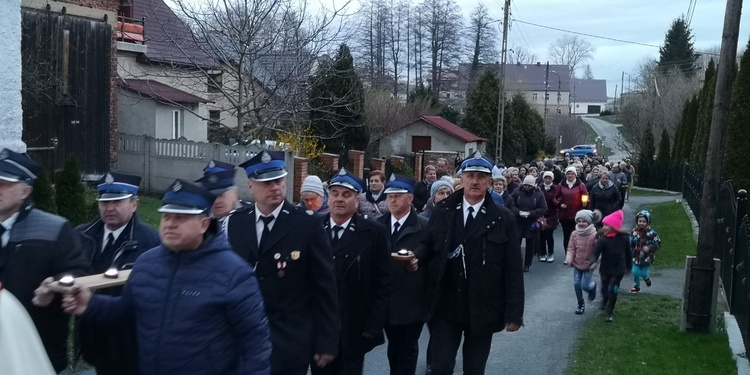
(612, 137)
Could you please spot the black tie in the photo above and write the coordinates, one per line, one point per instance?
(335, 234)
(266, 230)
(110, 242)
(394, 235)
(2, 231)
(102, 260)
(469, 219)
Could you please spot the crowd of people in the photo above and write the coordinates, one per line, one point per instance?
(231, 287)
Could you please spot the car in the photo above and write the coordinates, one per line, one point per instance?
(579, 151)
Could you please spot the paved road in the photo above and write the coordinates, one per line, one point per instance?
(612, 137)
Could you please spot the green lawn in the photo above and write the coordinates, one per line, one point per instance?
(146, 207)
(645, 339)
(673, 225)
(635, 192)
(613, 119)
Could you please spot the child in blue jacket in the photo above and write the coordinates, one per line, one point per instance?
(644, 242)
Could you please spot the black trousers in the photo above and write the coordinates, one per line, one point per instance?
(302, 370)
(531, 249)
(403, 347)
(446, 340)
(568, 226)
(546, 242)
(345, 365)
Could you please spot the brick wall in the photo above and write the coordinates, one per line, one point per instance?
(300, 173)
(418, 172)
(330, 162)
(357, 162)
(377, 164)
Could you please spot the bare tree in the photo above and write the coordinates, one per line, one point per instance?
(384, 113)
(482, 42)
(522, 55)
(571, 51)
(264, 54)
(587, 73)
(442, 22)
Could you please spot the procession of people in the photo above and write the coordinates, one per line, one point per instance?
(231, 287)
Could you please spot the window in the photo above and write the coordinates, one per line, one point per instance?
(214, 117)
(534, 96)
(448, 95)
(178, 129)
(214, 82)
(546, 96)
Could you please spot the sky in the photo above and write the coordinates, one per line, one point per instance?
(642, 21)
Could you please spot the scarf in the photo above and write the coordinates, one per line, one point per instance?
(547, 187)
(570, 184)
(586, 231)
(375, 198)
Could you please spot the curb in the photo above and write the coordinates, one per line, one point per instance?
(657, 190)
(736, 344)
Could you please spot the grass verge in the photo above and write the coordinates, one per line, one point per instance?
(635, 192)
(645, 339)
(147, 207)
(673, 225)
(612, 119)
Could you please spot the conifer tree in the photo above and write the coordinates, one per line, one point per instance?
(70, 193)
(685, 147)
(663, 165)
(43, 194)
(737, 145)
(677, 51)
(646, 159)
(703, 123)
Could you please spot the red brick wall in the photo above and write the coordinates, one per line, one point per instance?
(377, 165)
(330, 162)
(300, 173)
(418, 166)
(396, 160)
(357, 162)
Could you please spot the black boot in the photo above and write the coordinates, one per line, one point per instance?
(581, 309)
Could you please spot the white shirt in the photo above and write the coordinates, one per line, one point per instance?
(115, 233)
(8, 224)
(399, 221)
(259, 225)
(466, 206)
(341, 232)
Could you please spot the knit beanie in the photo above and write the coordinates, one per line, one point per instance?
(439, 184)
(614, 220)
(585, 215)
(571, 169)
(548, 174)
(312, 184)
(529, 180)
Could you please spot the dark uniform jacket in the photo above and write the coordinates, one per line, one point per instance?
(114, 348)
(493, 262)
(197, 312)
(408, 304)
(363, 275)
(302, 301)
(42, 245)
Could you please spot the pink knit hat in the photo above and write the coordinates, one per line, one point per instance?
(614, 220)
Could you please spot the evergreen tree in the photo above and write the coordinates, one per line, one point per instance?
(663, 165)
(422, 92)
(70, 193)
(451, 114)
(43, 194)
(338, 101)
(677, 51)
(737, 144)
(646, 159)
(703, 123)
(481, 112)
(679, 133)
(688, 135)
(531, 126)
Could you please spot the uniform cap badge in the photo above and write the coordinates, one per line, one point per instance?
(295, 254)
(109, 179)
(177, 186)
(265, 158)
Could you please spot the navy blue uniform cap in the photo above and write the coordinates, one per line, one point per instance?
(183, 197)
(399, 184)
(115, 186)
(266, 166)
(348, 180)
(477, 163)
(18, 167)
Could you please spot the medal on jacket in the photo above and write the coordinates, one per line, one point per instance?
(281, 266)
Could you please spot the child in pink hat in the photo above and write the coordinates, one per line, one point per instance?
(614, 258)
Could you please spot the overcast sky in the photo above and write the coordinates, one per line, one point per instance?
(643, 21)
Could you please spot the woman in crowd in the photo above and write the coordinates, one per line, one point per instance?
(549, 224)
(373, 202)
(514, 182)
(499, 194)
(530, 205)
(439, 190)
(604, 196)
(534, 172)
(570, 197)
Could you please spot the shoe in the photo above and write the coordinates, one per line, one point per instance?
(543, 258)
(648, 282)
(592, 294)
(428, 371)
(610, 318)
(580, 310)
(550, 259)
(525, 269)
(635, 289)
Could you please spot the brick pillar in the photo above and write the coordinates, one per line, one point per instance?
(377, 164)
(357, 162)
(300, 173)
(330, 162)
(418, 166)
(396, 160)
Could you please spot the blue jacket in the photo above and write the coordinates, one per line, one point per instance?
(196, 312)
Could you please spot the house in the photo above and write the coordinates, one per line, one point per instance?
(429, 133)
(588, 96)
(69, 86)
(162, 88)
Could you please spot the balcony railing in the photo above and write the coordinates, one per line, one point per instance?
(130, 30)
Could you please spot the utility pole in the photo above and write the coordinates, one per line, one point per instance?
(546, 93)
(614, 102)
(701, 296)
(622, 86)
(559, 83)
(501, 97)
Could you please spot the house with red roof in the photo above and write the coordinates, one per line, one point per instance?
(430, 133)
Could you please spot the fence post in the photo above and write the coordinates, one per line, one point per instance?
(741, 210)
(682, 187)
(147, 144)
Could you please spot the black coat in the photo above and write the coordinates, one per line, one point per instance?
(116, 347)
(408, 304)
(606, 200)
(363, 275)
(616, 257)
(495, 270)
(42, 245)
(534, 203)
(421, 194)
(302, 302)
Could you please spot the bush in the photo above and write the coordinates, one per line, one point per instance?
(43, 194)
(402, 169)
(71, 194)
(606, 112)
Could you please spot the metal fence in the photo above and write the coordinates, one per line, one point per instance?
(731, 243)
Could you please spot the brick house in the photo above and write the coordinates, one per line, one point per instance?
(430, 133)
